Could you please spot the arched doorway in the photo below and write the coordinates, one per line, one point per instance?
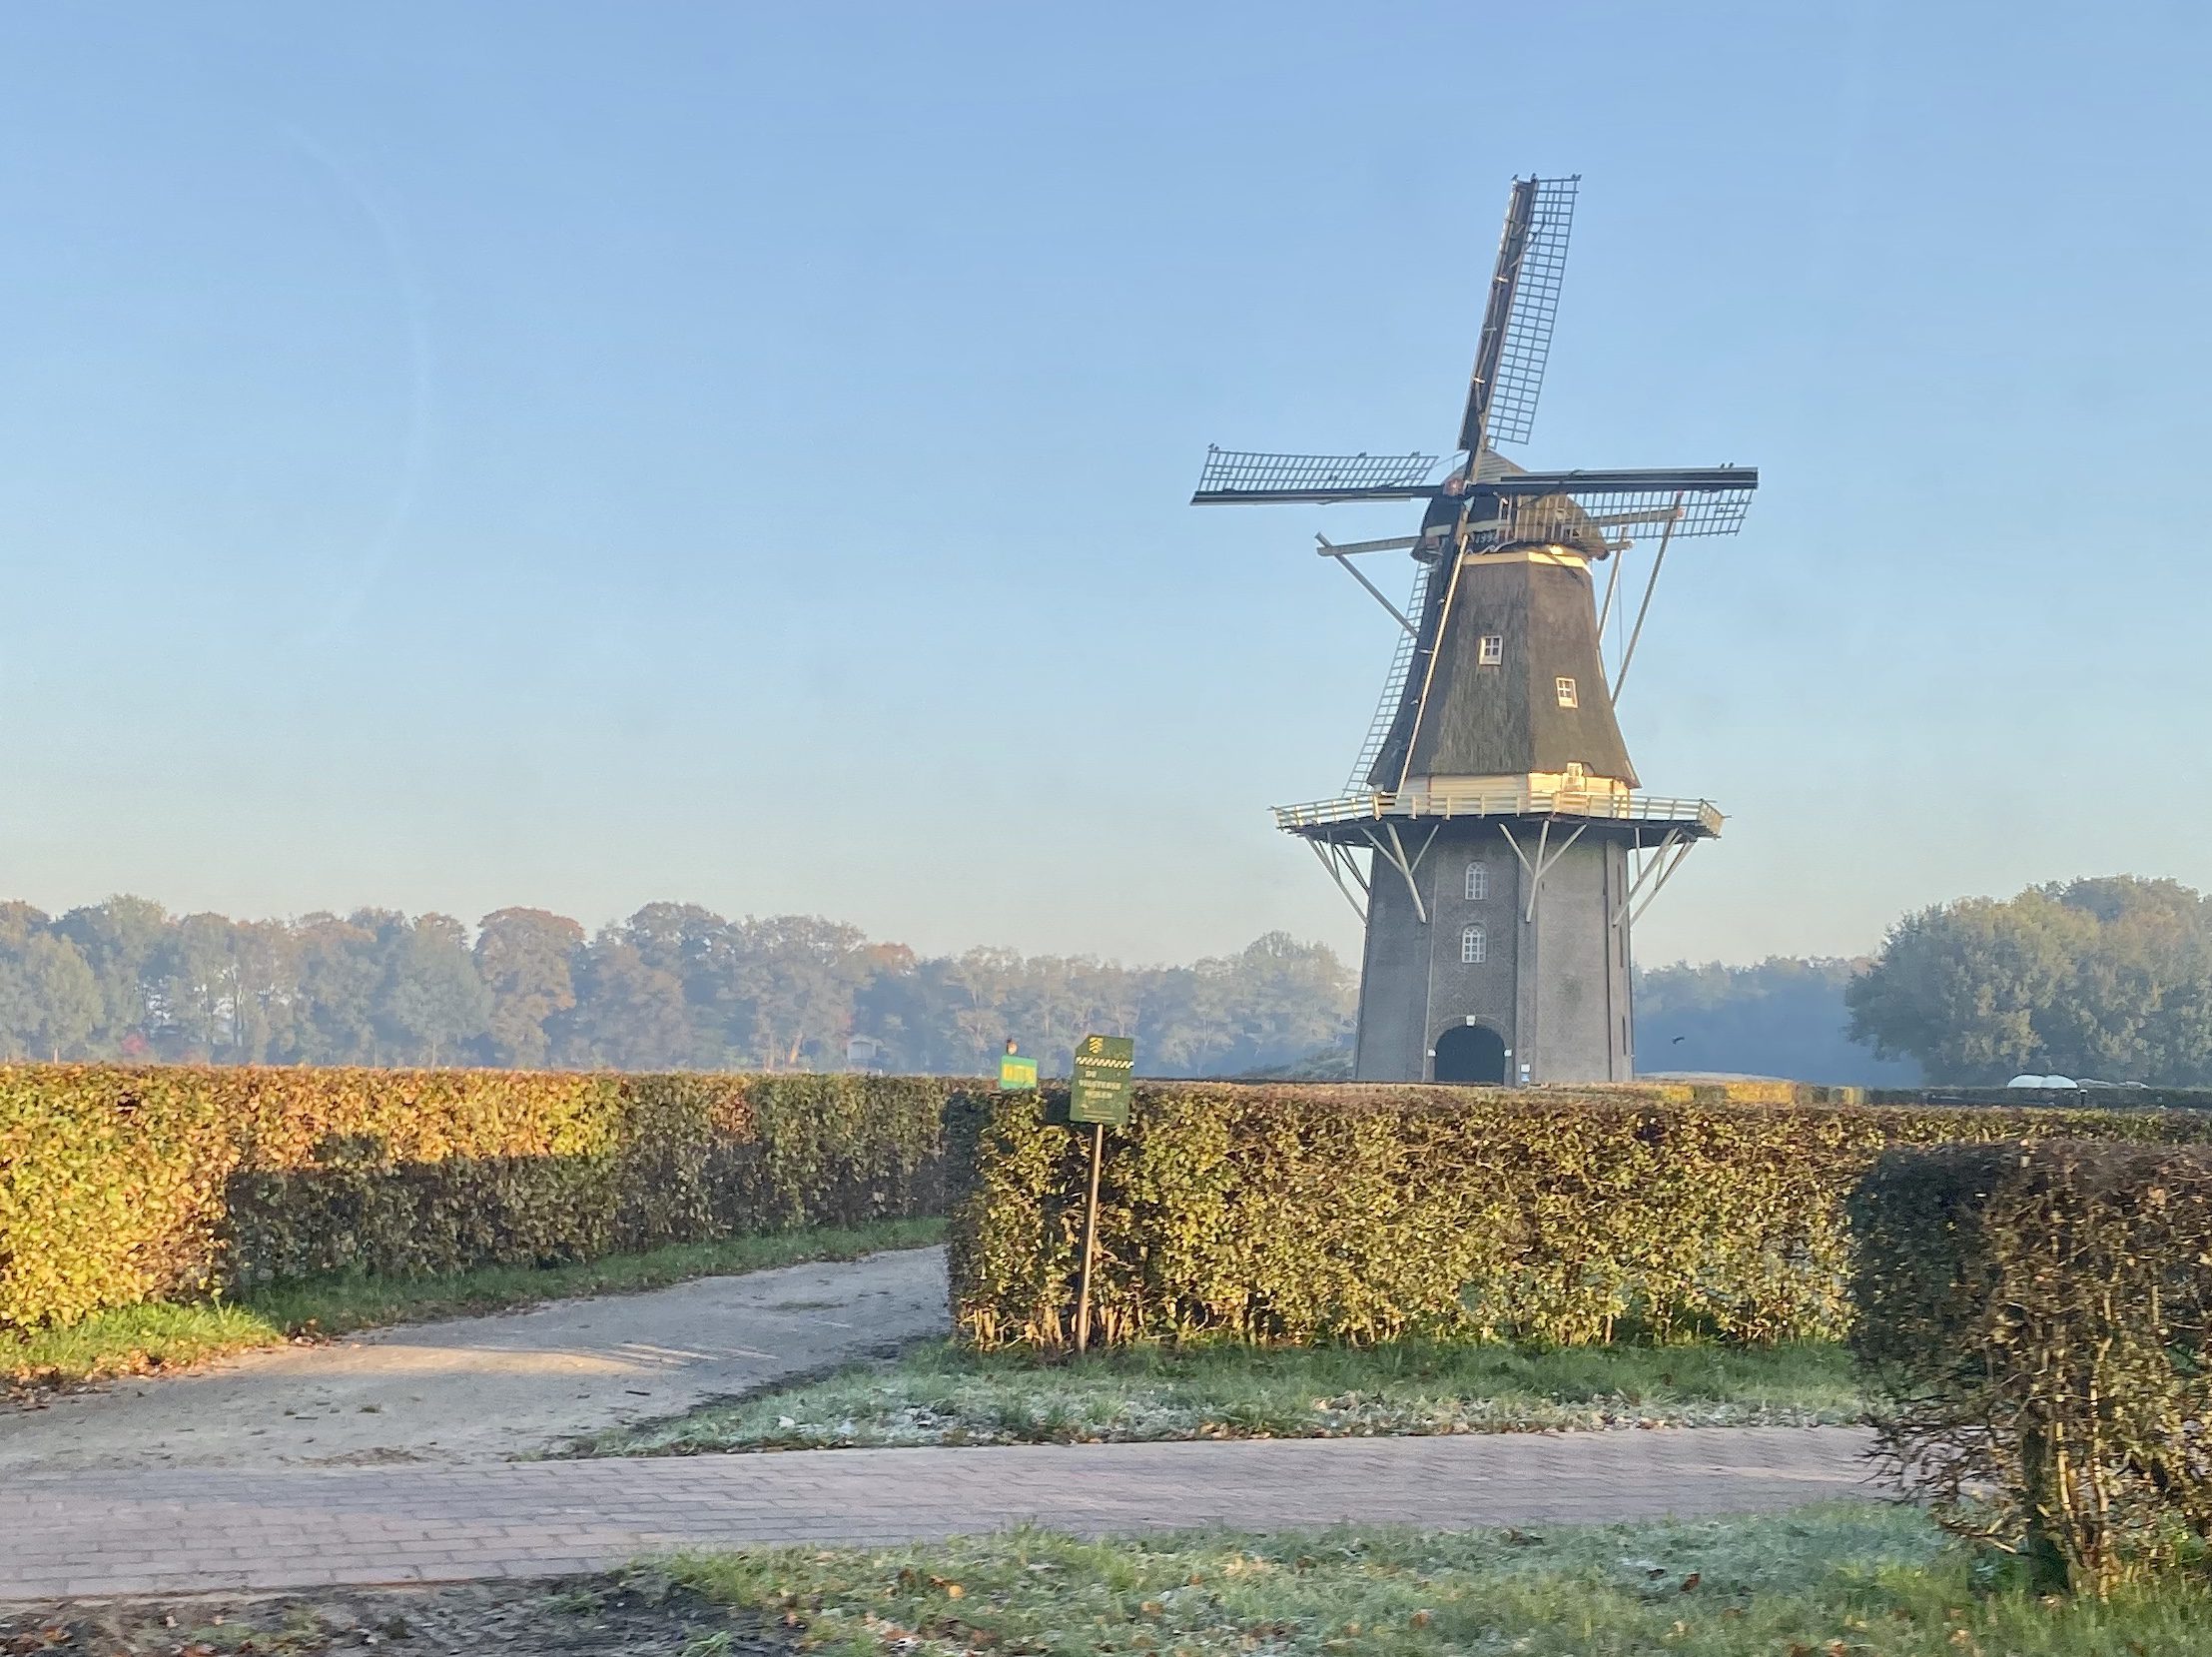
(1470, 1052)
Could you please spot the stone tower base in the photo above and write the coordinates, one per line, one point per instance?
(1538, 992)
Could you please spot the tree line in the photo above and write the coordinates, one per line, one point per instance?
(2108, 979)
(674, 985)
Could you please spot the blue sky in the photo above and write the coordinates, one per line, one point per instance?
(459, 455)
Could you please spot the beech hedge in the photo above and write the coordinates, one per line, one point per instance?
(120, 1185)
(2037, 1325)
(1347, 1213)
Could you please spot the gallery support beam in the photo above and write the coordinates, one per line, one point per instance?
(1543, 863)
(1668, 866)
(1391, 850)
(1675, 837)
(1338, 861)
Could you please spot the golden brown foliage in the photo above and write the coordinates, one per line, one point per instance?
(1362, 1213)
(120, 1185)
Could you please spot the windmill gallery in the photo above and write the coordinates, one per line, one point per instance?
(1510, 842)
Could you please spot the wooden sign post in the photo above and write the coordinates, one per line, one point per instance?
(1099, 1094)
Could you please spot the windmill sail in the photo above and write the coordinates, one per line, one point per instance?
(1517, 322)
(1393, 685)
(1238, 476)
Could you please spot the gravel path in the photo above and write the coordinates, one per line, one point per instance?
(97, 1534)
(481, 1389)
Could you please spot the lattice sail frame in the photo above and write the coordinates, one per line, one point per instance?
(1622, 516)
(1393, 687)
(1528, 331)
(1240, 471)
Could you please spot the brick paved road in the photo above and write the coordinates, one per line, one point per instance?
(95, 1533)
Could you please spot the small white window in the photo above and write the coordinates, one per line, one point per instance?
(1565, 693)
(1471, 945)
(1493, 649)
(1478, 880)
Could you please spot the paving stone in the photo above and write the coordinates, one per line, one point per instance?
(98, 1534)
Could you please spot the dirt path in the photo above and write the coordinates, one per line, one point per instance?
(480, 1390)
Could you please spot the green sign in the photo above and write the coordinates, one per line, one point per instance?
(1016, 1074)
(1100, 1090)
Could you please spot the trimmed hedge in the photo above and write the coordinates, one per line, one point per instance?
(120, 1185)
(2038, 1321)
(1365, 1213)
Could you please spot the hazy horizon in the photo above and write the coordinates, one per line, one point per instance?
(568, 456)
(1345, 940)
(593, 925)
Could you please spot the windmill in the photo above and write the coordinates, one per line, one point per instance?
(1510, 844)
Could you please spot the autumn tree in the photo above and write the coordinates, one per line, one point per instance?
(528, 960)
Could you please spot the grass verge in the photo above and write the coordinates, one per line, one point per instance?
(1843, 1581)
(164, 1335)
(941, 1394)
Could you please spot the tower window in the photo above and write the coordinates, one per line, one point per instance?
(1492, 651)
(1478, 880)
(1566, 692)
(1471, 946)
